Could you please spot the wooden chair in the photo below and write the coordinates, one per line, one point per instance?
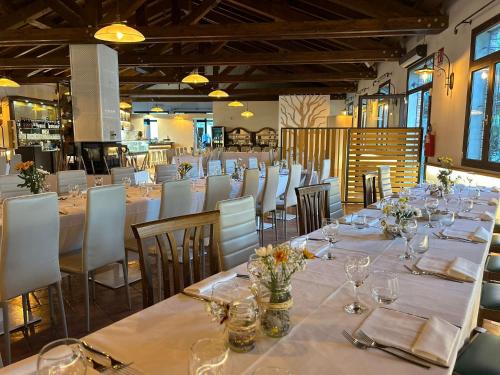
(489, 305)
(369, 188)
(312, 206)
(188, 260)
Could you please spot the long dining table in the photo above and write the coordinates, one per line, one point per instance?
(157, 339)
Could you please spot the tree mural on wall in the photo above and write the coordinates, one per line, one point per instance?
(304, 111)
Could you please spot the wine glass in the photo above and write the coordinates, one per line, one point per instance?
(357, 269)
(459, 188)
(447, 196)
(330, 231)
(359, 221)
(466, 204)
(446, 218)
(431, 204)
(420, 244)
(208, 356)
(384, 287)
(127, 181)
(97, 180)
(63, 357)
(407, 230)
(74, 192)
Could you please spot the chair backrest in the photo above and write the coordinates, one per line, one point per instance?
(312, 206)
(335, 199)
(14, 160)
(384, 181)
(294, 176)
(230, 165)
(66, 179)
(192, 247)
(268, 202)
(218, 189)
(369, 188)
(251, 183)
(325, 169)
(257, 148)
(104, 233)
(176, 200)
(238, 233)
(309, 173)
(214, 168)
(253, 163)
(194, 172)
(165, 172)
(3, 165)
(245, 148)
(9, 188)
(30, 244)
(119, 173)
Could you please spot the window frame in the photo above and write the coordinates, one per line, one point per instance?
(488, 61)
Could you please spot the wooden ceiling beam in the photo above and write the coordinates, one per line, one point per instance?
(277, 10)
(125, 11)
(68, 10)
(356, 28)
(253, 98)
(380, 8)
(23, 15)
(199, 12)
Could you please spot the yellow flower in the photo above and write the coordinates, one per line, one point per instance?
(280, 256)
(308, 254)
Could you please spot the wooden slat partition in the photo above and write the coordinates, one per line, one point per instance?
(353, 151)
(369, 148)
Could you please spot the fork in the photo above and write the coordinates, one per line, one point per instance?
(116, 365)
(415, 271)
(362, 345)
(372, 343)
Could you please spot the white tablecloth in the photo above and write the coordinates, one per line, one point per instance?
(158, 339)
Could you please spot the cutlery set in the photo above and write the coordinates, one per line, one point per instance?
(115, 367)
(442, 236)
(416, 271)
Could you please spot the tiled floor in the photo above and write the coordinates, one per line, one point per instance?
(109, 306)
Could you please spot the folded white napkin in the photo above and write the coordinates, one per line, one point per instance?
(494, 189)
(493, 202)
(63, 211)
(436, 341)
(480, 235)
(483, 216)
(205, 286)
(458, 268)
(487, 216)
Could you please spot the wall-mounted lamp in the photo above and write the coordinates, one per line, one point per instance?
(449, 75)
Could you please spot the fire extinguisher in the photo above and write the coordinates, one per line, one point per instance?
(429, 143)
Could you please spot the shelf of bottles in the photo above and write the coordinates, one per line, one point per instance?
(240, 137)
(37, 123)
(217, 136)
(266, 137)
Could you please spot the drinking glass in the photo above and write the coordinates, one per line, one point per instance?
(208, 357)
(127, 181)
(330, 230)
(407, 230)
(466, 205)
(359, 221)
(62, 357)
(475, 193)
(254, 268)
(298, 243)
(446, 218)
(420, 244)
(74, 192)
(46, 187)
(404, 192)
(357, 269)
(431, 204)
(384, 287)
(447, 196)
(459, 188)
(97, 180)
(271, 371)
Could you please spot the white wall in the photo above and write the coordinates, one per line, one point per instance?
(265, 115)
(447, 112)
(44, 92)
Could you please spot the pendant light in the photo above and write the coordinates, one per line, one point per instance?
(6, 82)
(247, 113)
(119, 32)
(125, 105)
(235, 103)
(194, 78)
(217, 93)
(156, 108)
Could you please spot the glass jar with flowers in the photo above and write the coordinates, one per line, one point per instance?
(277, 265)
(400, 210)
(32, 176)
(183, 169)
(444, 176)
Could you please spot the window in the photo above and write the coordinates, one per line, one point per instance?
(416, 80)
(482, 123)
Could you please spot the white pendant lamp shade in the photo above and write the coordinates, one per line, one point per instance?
(218, 94)
(195, 79)
(118, 32)
(235, 104)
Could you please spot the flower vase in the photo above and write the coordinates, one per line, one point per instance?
(275, 303)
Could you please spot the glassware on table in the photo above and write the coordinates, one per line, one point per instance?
(431, 204)
(357, 269)
(359, 221)
(407, 230)
(420, 244)
(404, 192)
(75, 193)
(271, 371)
(459, 189)
(208, 357)
(330, 229)
(46, 187)
(62, 357)
(98, 181)
(446, 218)
(127, 181)
(475, 193)
(466, 204)
(447, 196)
(384, 287)
(298, 243)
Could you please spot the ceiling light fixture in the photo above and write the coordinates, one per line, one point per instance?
(218, 94)
(194, 78)
(156, 108)
(6, 82)
(119, 32)
(125, 105)
(235, 104)
(449, 75)
(247, 114)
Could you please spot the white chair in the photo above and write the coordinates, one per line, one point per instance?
(309, 173)
(325, 170)
(119, 173)
(335, 200)
(253, 163)
(103, 239)
(194, 172)
(9, 188)
(66, 179)
(384, 181)
(14, 160)
(3, 165)
(230, 165)
(251, 183)
(165, 173)
(29, 253)
(268, 200)
(238, 235)
(214, 168)
(218, 189)
(289, 196)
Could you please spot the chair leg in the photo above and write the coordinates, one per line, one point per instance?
(275, 223)
(284, 221)
(297, 218)
(61, 308)
(87, 303)
(480, 318)
(6, 331)
(261, 225)
(125, 279)
(25, 312)
(51, 304)
(92, 277)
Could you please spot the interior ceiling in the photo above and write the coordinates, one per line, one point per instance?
(265, 50)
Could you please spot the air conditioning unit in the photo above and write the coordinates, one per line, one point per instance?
(413, 56)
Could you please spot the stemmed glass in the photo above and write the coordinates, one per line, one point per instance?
(447, 196)
(127, 181)
(357, 269)
(74, 192)
(431, 204)
(97, 180)
(407, 229)
(64, 357)
(330, 229)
